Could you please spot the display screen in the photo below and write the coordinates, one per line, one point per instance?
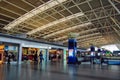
(92, 54)
(72, 44)
(92, 48)
(70, 52)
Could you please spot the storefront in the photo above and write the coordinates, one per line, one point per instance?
(56, 54)
(8, 49)
(1, 53)
(15, 44)
(12, 50)
(28, 53)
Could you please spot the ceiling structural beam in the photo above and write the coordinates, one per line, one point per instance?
(2, 24)
(90, 38)
(87, 44)
(68, 29)
(10, 11)
(82, 32)
(26, 26)
(89, 19)
(115, 22)
(101, 44)
(15, 5)
(94, 41)
(17, 13)
(116, 38)
(63, 37)
(94, 12)
(117, 1)
(33, 12)
(114, 6)
(7, 16)
(108, 11)
(83, 11)
(28, 3)
(116, 31)
(55, 22)
(4, 20)
(85, 36)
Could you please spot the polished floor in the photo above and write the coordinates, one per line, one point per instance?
(59, 71)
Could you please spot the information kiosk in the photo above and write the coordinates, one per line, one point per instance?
(72, 49)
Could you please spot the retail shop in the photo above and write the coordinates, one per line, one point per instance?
(1, 53)
(8, 50)
(22, 48)
(29, 52)
(56, 54)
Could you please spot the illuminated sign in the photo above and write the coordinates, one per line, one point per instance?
(1, 47)
(70, 52)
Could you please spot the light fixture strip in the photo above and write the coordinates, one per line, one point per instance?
(33, 12)
(68, 29)
(84, 36)
(55, 22)
(79, 34)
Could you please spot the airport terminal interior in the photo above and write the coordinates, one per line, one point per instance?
(59, 39)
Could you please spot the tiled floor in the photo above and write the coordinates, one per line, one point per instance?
(57, 71)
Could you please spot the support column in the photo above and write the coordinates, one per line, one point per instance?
(47, 55)
(92, 54)
(20, 54)
(64, 55)
(72, 49)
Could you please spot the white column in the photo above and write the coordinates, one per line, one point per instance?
(64, 54)
(47, 55)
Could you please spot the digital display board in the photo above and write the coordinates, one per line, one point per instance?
(70, 52)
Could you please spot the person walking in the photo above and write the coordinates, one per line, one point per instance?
(35, 58)
(9, 58)
(41, 56)
(12, 56)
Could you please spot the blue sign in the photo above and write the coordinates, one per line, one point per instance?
(92, 48)
(72, 49)
(6, 48)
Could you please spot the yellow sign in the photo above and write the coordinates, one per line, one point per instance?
(1, 53)
(1, 47)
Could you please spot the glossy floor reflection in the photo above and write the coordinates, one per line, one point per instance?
(57, 71)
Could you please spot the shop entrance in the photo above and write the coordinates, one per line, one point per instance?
(8, 52)
(1, 53)
(55, 55)
(33, 54)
